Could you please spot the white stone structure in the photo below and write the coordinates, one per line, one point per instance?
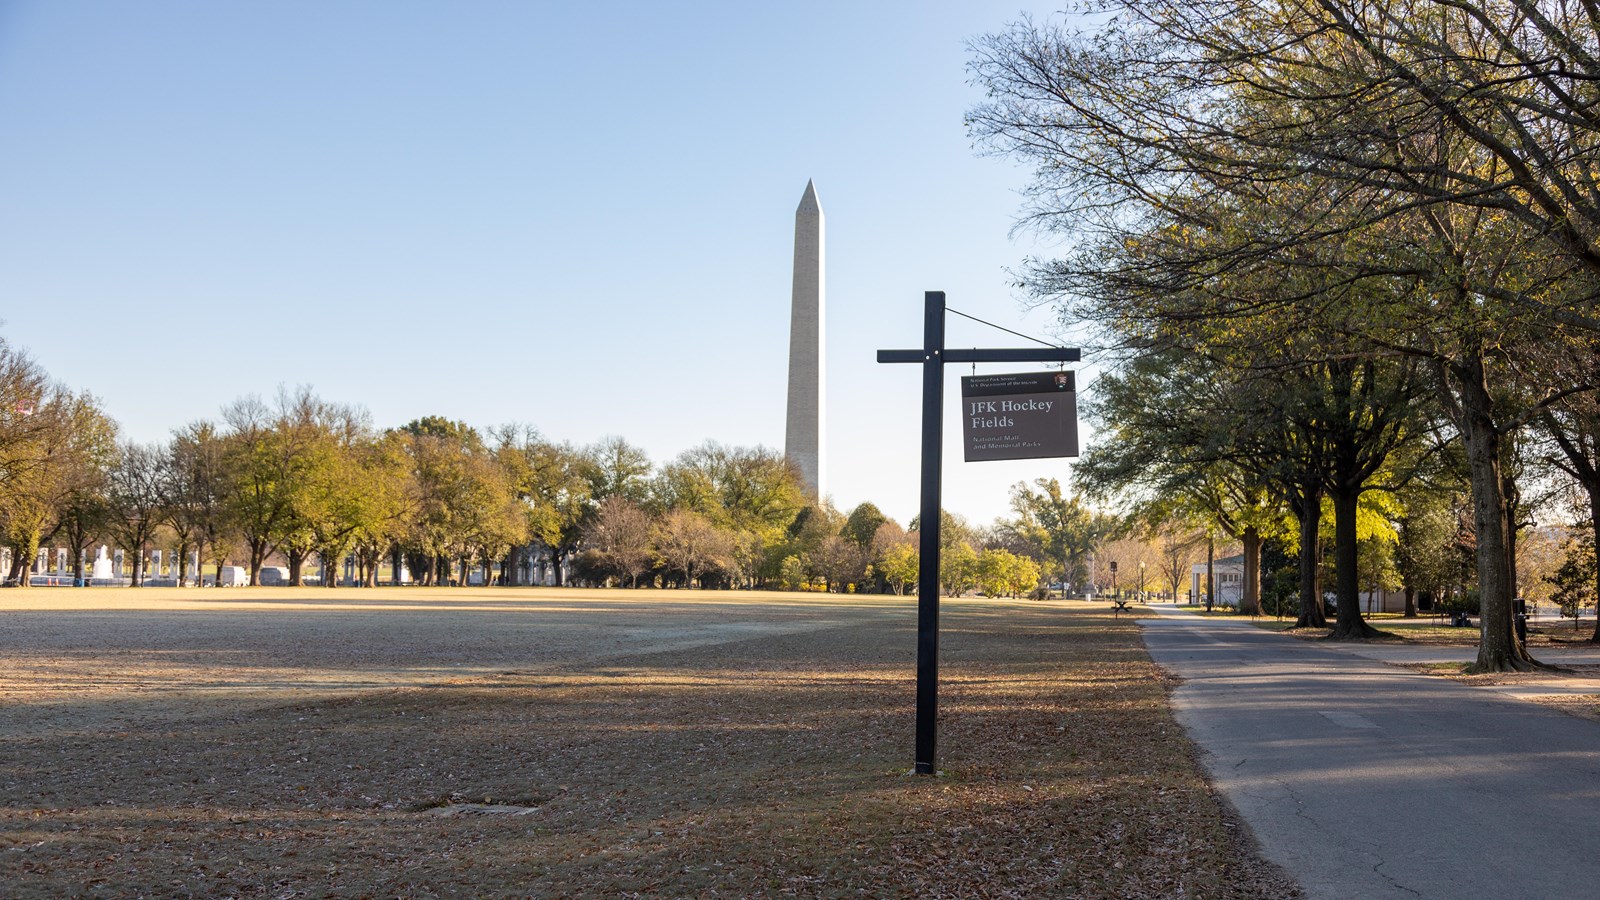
(804, 438)
(1229, 571)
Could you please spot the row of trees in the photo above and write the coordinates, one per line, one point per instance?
(309, 481)
(1339, 255)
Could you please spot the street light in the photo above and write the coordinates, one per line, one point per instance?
(1141, 581)
(1115, 593)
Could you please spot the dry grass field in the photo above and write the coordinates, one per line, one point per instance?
(546, 743)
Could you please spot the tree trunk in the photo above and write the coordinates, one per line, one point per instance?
(1250, 594)
(1594, 522)
(297, 561)
(1350, 626)
(258, 557)
(1508, 489)
(1579, 450)
(22, 566)
(1411, 601)
(1498, 650)
(1211, 573)
(1309, 509)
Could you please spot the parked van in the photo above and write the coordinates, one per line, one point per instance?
(232, 576)
(273, 576)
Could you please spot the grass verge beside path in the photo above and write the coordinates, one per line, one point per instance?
(1571, 688)
(771, 766)
(1427, 629)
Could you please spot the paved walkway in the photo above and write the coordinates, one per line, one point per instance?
(1367, 780)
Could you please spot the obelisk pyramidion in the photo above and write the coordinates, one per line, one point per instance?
(803, 439)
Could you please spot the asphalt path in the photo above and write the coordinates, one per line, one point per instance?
(1366, 780)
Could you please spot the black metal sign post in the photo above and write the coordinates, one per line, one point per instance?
(933, 356)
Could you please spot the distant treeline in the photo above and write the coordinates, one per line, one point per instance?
(315, 483)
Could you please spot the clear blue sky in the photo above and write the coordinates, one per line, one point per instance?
(577, 216)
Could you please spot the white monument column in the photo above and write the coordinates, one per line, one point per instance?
(805, 435)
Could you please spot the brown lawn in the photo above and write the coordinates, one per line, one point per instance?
(544, 743)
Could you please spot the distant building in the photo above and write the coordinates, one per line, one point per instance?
(1230, 580)
(1381, 600)
(1230, 588)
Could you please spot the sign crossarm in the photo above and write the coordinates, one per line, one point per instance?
(978, 355)
(933, 355)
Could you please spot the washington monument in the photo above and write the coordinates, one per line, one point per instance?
(804, 437)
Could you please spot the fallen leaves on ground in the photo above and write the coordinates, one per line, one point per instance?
(774, 766)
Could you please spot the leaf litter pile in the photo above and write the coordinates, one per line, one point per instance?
(773, 765)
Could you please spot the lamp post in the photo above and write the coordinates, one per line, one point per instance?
(1115, 593)
(1141, 581)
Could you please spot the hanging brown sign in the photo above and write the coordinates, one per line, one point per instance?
(1027, 415)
